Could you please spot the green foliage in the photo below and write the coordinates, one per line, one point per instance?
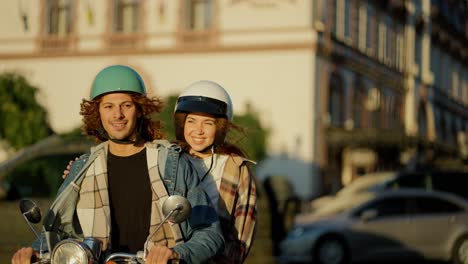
(252, 138)
(166, 117)
(23, 120)
(38, 178)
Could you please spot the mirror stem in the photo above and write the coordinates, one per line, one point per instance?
(35, 233)
(177, 208)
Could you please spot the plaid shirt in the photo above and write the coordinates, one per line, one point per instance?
(93, 206)
(237, 210)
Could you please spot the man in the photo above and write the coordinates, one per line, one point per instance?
(123, 181)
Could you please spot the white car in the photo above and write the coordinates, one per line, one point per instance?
(366, 182)
(390, 225)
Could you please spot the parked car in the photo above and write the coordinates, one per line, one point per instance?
(366, 182)
(453, 181)
(389, 225)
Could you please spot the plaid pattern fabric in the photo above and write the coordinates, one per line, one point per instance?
(237, 210)
(93, 206)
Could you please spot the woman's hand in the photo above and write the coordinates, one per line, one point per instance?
(67, 170)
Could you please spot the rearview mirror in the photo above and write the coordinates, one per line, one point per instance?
(176, 208)
(30, 210)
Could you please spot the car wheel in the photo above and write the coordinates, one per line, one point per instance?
(331, 250)
(460, 251)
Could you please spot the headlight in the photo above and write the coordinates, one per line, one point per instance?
(70, 251)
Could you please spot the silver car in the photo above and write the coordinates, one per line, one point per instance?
(391, 225)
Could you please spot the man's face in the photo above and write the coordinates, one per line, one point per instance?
(118, 115)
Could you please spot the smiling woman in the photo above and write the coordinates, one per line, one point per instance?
(200, 131)
(202, 118)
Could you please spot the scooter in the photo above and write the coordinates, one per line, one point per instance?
(176, 209)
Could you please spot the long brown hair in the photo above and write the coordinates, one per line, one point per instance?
(148, 129)
(222, 144)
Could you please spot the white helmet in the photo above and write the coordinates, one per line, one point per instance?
(205, 97)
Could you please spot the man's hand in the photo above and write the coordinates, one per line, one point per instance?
(160, 255)
(23, 256)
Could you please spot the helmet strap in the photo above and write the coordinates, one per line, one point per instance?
(124, 141)
(211, 164)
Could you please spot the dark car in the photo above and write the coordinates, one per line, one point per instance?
(452, 181)
(391, 225)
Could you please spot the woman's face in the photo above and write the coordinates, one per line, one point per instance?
(118, 115)
(199, 132)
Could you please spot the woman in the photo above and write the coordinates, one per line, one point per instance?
(203, 116)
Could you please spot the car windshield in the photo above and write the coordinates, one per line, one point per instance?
(366, 182)
(341, 204)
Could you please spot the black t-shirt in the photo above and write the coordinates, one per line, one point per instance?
(130, 201)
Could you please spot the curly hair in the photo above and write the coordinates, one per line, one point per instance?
(149, 129)
(221, 143)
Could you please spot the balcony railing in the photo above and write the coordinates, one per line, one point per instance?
(52, 43)
(125, 41)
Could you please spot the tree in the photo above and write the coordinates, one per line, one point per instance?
(24, 121)
(252, 139)
(166, 117)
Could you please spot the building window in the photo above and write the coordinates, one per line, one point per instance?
(397, 110)
(391, 42)
(422, 120)
(418, 53)
(453, 129)
(362, 27)
(343, 22)
(386, 114)
(336, 100)
(347, 23)
(435, 65)
(455, 81)
(58, 17)
(354, 35)
(58, 26)
(382, 40)
(359, 100)
(447, 75)
(199, 14)
(464, 85)
(400, 47)
(198, 21)
(126, 24)
(371, 30)
(374, 105)
(334, 5)
(442, 126)
(126, 13)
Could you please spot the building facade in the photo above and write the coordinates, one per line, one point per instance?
(344, 86)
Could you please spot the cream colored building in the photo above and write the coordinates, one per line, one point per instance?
(299, 63)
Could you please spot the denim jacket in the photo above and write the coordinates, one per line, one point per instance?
(202, 232)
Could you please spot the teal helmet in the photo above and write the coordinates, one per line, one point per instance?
(117, 78)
